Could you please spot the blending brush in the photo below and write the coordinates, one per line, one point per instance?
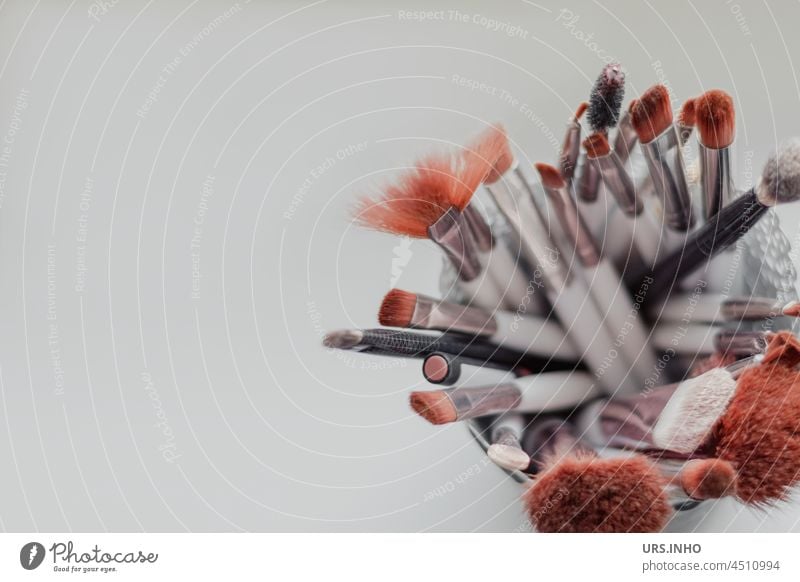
(575, 491)
(567, 294)
(408, 344)
(605, 284)
(527, 394)
(651, 117)
(779, 184)
(715, 118)
(571, 149)
(505, 449)
(525, 333)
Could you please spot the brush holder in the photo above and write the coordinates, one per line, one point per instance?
(759, 265)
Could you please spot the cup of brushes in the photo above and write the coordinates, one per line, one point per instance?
(595, 331)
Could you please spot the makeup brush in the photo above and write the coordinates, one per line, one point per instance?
(780, 184)
(580, 319)
(686, 120)
(525, 333)
(708, 478)
(575, 491)
(759, 432)
(420, 205)
(527, 394)
(651, 117)
(715, 116)
(620, 185)
(505, 449)
(571, 149)
(698, 339)
(626, 138)
(715, 308)
(408, 344)
(447, 369)
(606, 287)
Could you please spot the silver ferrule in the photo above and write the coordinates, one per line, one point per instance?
(478, 228)
(483, 400)
(749, 309)
(571, 150)
(716, 179)
(741, 343)
(573, 225)
(432, 314)
(619, 183)
(524, 219)
(665, 161)
(505, 435)
(452, 234)
(626, 138)
(588, 182)
(684, 132)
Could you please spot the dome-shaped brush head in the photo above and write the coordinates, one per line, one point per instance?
(780, 180)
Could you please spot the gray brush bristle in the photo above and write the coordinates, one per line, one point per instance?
(605, 101)
(780, 180)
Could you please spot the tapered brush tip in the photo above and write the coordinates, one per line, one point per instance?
(606, 98)
(587, 494)
(715, 116)
(397, 308)
(708, 478)
(434, 406)
(551, 177)
(596, 146)
(581, 110)
(687, 115)
(487, 158)
(343, 339)
(508, 457)
(651, 114)
(780, 180)
(791, 309)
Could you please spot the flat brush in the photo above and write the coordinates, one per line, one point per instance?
(604, 282)
(447, 369)
(505, 449)
(525, 333)
(779, 184)
(651, 117)
(580, 319)
(715, 118)
(715, 308)
(575, 491)
(415, 345)
(527, 394)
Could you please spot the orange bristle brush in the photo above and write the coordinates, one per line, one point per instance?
(715, 118)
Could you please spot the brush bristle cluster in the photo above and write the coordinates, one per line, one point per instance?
(759, 433)
(596, 146)
(708, 478)
(715, 118)
(780, 180)
(550, 175)
(584, 494)
(606, 98)
(397, 308)
(434, 406)
(686, 117)
(651, 114)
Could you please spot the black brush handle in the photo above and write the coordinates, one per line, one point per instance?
(720, 232)
(417, 345)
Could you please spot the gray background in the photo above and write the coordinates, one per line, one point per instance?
(135, 395)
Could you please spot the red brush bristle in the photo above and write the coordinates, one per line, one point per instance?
(435, 406)
(551, 177)
(397, 308)
(596, 146)
(581, 110)
(708, 478)
(651, 114)
(582, 494)
(760, 431)
(687, 115)
(716, 119)
(418, 200)
(486, 159)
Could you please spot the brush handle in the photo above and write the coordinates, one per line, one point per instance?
(415, 345)
(690, 340)
(510, 279)
(531, 334)
(482, 291)
(555, 391)
(714, 308)
(720, 232)
(625, 319)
